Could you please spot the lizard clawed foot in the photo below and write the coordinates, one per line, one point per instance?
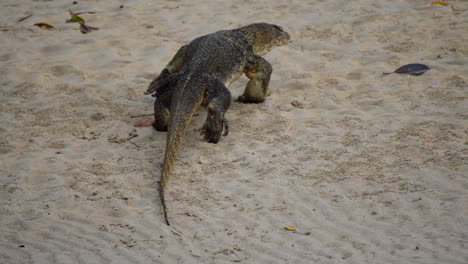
(210, 135)
(243, 99)
(213, 128)
(226, 127)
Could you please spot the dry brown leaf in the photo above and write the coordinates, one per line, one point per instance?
(442, 3)
(86, 29)
(43, 25)
(293, 229)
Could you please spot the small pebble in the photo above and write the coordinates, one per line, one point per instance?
(121, 6)
(97, 116)
(297, 104)
(75, 2)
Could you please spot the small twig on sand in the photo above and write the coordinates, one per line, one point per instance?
(79, 13)
(24, 18)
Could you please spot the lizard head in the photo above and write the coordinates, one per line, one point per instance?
(264, 37)
(280, 37)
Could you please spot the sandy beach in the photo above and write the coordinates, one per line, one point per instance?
(368, 168)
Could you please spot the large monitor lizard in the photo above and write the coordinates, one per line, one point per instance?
(199, 75)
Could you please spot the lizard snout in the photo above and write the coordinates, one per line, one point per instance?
(283, 39)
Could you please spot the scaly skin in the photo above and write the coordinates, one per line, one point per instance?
(199, 75)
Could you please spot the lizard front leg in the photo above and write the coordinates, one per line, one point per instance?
(258, 70)
(217, 101)
(172, 67)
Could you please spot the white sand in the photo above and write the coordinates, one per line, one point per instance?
(374, 167)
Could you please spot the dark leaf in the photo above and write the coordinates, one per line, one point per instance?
(24, 18)
(412, 69)
(43, 25)
(75, 19)
(79, 13)
(86, 29)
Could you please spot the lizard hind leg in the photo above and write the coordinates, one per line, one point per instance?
(258, 70)
(217, 101)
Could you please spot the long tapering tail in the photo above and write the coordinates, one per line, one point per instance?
(185, 102)
(163, 201)
(166, 173)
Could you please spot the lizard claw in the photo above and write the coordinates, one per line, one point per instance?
(226, 127)
(213, 129)
(243, 99)
(202, 130)
(209, 135)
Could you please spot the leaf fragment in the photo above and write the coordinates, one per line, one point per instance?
(290, 228)
(442, 3)
(86, 29)
(4, 29)
(43, 25)
(75, 19)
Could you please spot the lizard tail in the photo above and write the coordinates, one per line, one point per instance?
(185, 102)
(163, 201)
